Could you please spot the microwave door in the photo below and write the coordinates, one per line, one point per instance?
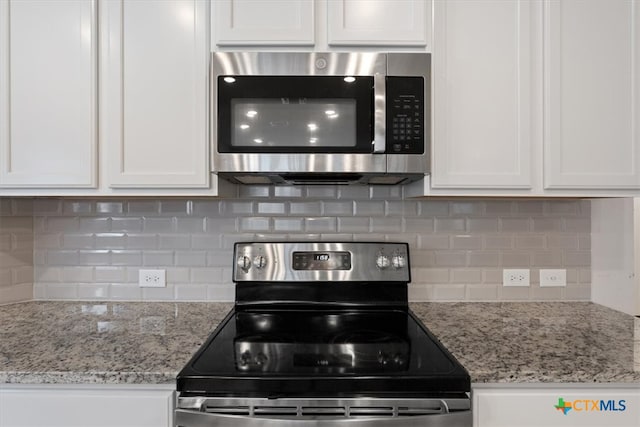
(296, 114)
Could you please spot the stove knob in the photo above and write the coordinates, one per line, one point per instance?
(245, 358)
(383, 358)
(398, 261)
(398, 359)
(259, 262)
(261, 359)
(382, 262)
(244, 263)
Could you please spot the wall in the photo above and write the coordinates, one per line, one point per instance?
(93, 249)
(614, 231)
(16, 250)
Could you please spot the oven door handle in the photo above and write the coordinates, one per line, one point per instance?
(193, 418)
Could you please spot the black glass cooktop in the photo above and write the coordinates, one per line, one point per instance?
(277, 353)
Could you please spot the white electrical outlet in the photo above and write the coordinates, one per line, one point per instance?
(515, 277)
(152, 278)
(555, 277)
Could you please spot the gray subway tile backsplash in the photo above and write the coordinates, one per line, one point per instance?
(482, 292)
(288, 224)
(370, 209)
(449, 225)
(93, 249)
(16, 250)
(466, 241)
(482, 225)
(354, 225)
(320, 225)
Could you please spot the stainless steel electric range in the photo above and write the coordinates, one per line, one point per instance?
(321, 334)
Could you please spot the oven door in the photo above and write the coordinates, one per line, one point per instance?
(363, 412)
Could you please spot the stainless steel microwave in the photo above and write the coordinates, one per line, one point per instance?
(313, 118)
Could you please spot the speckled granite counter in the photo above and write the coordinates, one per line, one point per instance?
(110, 342)
(114, 342)
(536, 341)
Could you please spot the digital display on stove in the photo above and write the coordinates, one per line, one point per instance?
(308, 360)
(321, 260)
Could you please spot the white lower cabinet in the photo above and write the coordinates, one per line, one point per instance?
(562, 405)
(86, 406)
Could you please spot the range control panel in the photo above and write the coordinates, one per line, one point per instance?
(321, 261)
(405, 115)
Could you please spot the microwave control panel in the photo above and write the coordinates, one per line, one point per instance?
(405, 115)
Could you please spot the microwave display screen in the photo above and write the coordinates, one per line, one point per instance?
(293, 122)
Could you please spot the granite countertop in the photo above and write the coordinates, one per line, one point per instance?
(102, 342)
(578, 342)
(122, 342)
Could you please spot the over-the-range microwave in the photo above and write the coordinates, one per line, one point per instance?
(314, 118)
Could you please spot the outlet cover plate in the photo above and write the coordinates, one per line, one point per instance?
(553, 277)
(515, 277)
(152, 278)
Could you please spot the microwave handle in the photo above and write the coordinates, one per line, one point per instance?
(379, 119)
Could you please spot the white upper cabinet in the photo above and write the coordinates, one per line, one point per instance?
(259, 22)
(154, 93)
(378, 22)
(592, 94)
(48, 103)
(483, 60)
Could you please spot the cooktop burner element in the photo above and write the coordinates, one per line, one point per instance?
(318, 321)
(320, 343)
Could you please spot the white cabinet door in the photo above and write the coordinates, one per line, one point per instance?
(483, 60)
(592, 91)
(48, 104)
(379, 22)
(536, 405)
(154, 83)
(86, 406)
(259, 22)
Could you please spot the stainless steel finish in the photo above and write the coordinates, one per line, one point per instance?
(298, 63)
(278, 258)
(379, 124)
(406, 64)
(326, 168)
(299, 163)
(201, 419)
(361, 412)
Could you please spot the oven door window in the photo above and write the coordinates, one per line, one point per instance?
(294, 114)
